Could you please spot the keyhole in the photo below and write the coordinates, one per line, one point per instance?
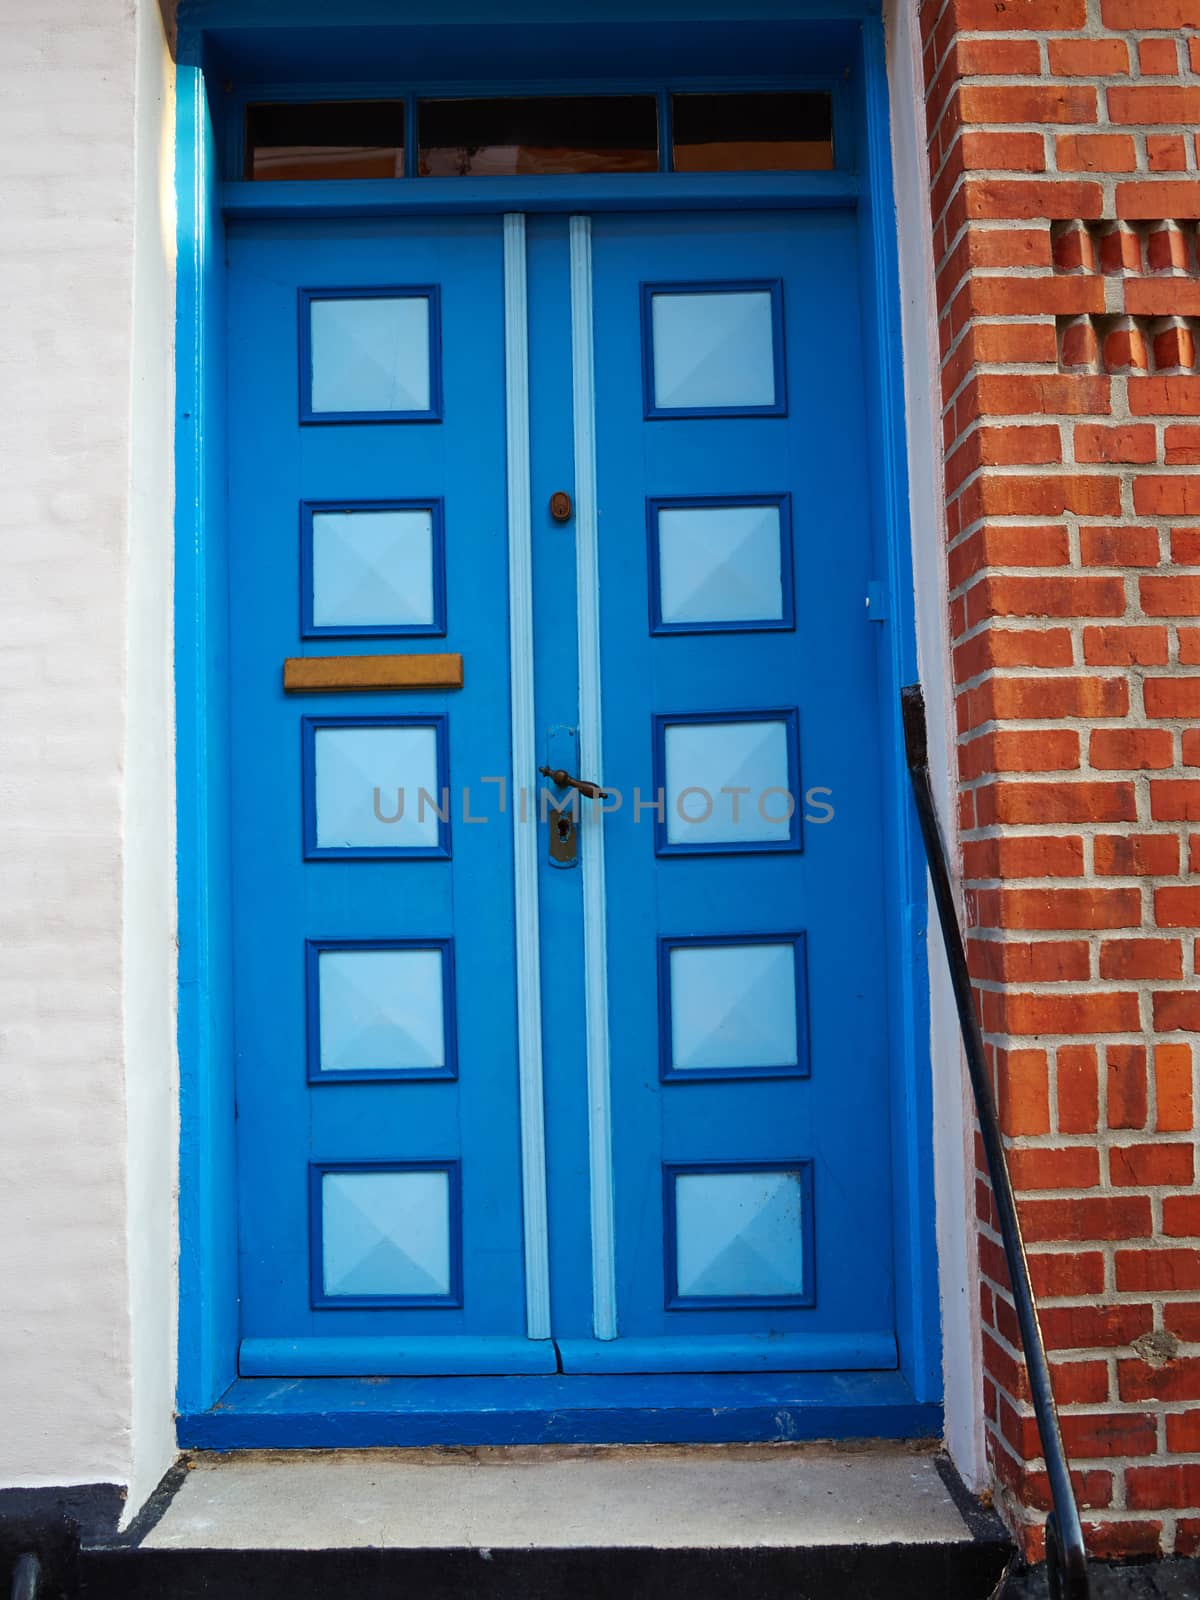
(564, 828)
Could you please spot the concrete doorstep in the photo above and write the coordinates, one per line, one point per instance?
(747, 1522)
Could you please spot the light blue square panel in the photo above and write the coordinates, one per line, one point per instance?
(370, 354)
(739, 1235)
(713, 351)
(721, 563)
(373, 568)
(381, 1010)
(376, 787)
(386, 1233)
(733, 1006)
(727, 783)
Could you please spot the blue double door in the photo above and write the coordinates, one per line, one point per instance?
(534, 1077)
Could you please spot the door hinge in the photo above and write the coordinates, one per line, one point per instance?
(876, 602)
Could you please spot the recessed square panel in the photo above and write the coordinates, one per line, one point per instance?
(370, 355)
(729, 782)
(375, 786)
(713, 349)
(386, 1234)
(733, 1008)
(380, 1010)
(373, 569)
(739, 1233)
(721, 564)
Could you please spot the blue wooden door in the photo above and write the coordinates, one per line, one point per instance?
(529, 1082)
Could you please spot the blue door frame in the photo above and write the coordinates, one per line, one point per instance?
(234, 39)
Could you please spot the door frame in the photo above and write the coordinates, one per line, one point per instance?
(216, 1408)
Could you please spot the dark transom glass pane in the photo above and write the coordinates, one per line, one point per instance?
(752, 132)
(325, 139)
(520, 137)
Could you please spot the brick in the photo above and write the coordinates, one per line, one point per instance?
(999, 152)
(1166, 152)
(1031, 103)
(1125, 959)
(1070, 1167)
(1073, 248)
(1108, 1434)
(1003, 596)
(1091, 1217)
(1020, 496)
(1124, 349)
(1151, 1165)
(1119, 248)
(1141, 749)
(1167, 495)
(1170, 597)
(1088, 58)
(1027, 394)
(1017, 199)
(1177, 906)
(1123, 1540)
(1166, 248)
(1161, 297)
(1173, 345)
(1176, 1009)
(1008, 546)
(1013, 647)
(1030, 16)
(1095, 152)
(1120, 647)
(1029, 1015)
(1023, 1095)
(1159, 197)
(1149, 1270)
(1025, 961)
(1038, 803)
(1058, 1273)
(1181, 448)
(997, 58)
(1018, 750)
(1080, 346)
(1175, 800)
(1015, 297)
(1183, 1434)
(1078, 1094)
(1181, 1216)
(1152, 397)
(1164, 14)
(1173, 1088)
(1136, 855)
(1135, 443)
(1027, 699)
(1158, 58)
(1144, 104)
(1151, 1488)
(1172, 697)
(1127, 1086)
(1088, 1327)
(1119, 547)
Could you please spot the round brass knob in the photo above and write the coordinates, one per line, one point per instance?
(560, 506)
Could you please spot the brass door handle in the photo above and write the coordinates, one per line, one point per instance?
(563, 780)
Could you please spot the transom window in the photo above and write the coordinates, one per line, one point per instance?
(540, 135)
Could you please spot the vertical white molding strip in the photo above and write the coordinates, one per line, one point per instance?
(595, 929)
(524, 763)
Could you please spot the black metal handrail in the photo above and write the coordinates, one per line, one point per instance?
(1066, 1559)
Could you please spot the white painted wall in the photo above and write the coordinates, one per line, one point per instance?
(954, 1160)
(88, 1133)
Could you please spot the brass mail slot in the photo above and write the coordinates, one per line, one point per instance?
(309, 674)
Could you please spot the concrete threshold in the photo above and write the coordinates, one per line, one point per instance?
(775, 1496)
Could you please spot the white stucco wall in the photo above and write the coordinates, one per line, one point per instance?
(88, 1134)
(953, 1146)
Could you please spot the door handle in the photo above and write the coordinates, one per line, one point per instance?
(563, 780)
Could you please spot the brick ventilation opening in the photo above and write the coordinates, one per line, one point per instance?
(1065, 199)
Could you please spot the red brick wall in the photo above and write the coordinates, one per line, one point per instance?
(1063, 161)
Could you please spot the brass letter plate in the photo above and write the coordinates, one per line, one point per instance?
(328, 674)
